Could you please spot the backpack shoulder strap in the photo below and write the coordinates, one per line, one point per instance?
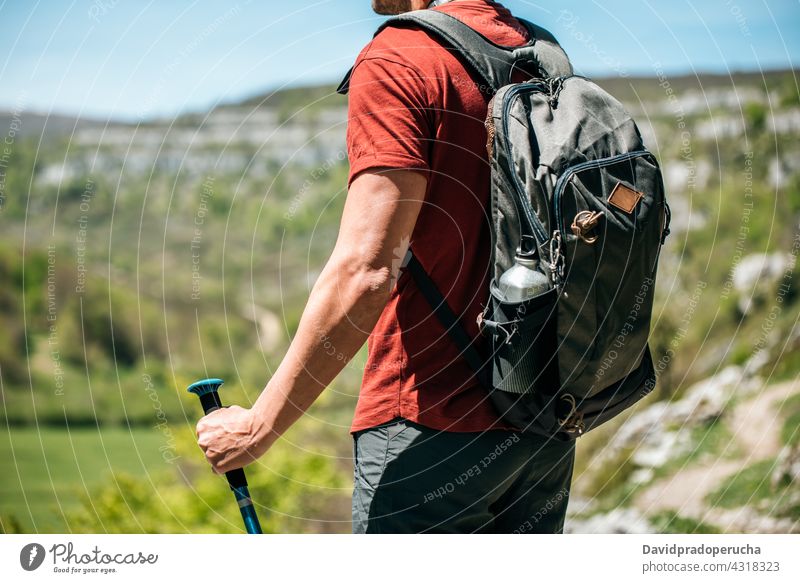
(546, 52)
(447, 318)
(494, 64)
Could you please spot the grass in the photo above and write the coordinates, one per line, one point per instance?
(610, 484)
(790, 432)
(44, 471)
(749, 486)
(711, 439)
(53, 466)
(752, 487)
(670, 522)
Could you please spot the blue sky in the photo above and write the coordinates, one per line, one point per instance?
(136, 59)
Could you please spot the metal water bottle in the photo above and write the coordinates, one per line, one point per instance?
(523, 281)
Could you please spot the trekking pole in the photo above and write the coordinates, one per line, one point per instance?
(207, 389)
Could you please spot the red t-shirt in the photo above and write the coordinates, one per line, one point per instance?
(414, 105)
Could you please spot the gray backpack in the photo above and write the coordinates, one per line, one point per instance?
(572, 186)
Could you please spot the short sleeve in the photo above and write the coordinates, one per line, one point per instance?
(389, 117)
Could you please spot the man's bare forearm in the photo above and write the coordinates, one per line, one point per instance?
(342, 309)
(347, 300)
(377, 222)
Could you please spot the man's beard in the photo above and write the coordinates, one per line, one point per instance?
(390, 7)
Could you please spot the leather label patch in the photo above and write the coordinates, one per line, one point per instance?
(624, 198)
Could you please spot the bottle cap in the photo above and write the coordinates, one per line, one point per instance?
(527, 248)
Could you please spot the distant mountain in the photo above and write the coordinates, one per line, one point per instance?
(203, 234)
(630, 89)
(33, 123)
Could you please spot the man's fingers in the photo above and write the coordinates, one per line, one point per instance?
(221, 465)
(219, 468)
(214, 465)
(201, 427)
(217, 461)
(222, 440)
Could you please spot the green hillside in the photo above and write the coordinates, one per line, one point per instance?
(137, 258)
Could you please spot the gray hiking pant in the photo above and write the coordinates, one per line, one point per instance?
(409, 479)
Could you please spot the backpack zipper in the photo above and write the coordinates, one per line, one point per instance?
(534, 222)
(552, 87)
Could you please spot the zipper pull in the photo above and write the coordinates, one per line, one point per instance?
(667, 220)
(556, 259)
(555, 84)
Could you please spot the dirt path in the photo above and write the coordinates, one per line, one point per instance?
(685, 491)
(755, 425)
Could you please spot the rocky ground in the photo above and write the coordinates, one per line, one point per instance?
(752, 419)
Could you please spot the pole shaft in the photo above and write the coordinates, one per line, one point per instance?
(248, 511)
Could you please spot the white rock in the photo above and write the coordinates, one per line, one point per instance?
(579, 506)
(720, 127)
(784, 122)
(787, 467)
(758, 267)
(755, 274)
(748, 520)
(618, 521)
(659, 448)
(778, 174)
(708, 398)
(642, 476)
(648, 432)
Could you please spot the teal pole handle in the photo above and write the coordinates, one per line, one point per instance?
(207, 390)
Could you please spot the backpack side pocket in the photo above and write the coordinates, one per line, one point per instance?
(523, 342)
